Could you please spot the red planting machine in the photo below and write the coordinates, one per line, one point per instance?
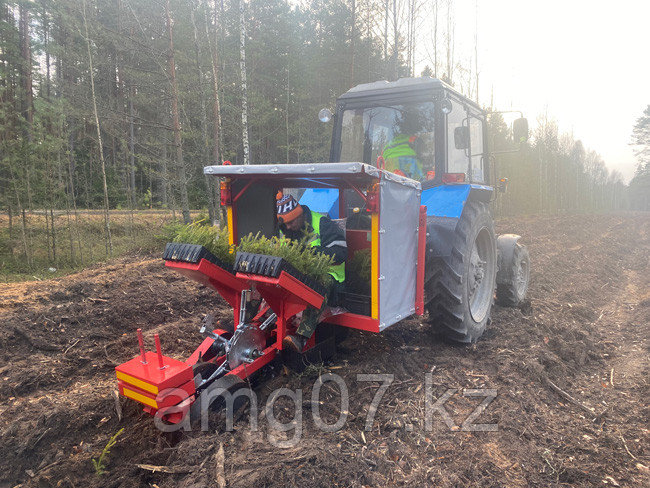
(268, 294)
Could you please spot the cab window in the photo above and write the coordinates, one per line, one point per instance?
(476, 145)
(457, 159)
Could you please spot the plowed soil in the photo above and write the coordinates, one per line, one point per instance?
(570, 369)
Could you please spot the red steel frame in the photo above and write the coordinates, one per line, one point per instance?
(422, 244)
(145, 377)
(160, 382)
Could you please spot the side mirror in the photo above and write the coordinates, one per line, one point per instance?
(325, 115)
(520, 130)
(461, 137)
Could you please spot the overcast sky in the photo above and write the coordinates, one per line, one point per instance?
(585, 63)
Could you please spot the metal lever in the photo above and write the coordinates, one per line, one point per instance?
(207, 322)
(242, 306)
(220, 370)
(269, 321)
(216, 337)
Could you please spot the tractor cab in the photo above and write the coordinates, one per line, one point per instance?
(418, 127)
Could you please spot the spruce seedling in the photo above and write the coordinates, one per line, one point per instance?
(99, 463)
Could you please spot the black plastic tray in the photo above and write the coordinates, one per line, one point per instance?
(192, 253)
(272, 266)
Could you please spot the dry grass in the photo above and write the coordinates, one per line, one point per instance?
(79, 241)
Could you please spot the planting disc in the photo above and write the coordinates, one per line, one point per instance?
(246, 344)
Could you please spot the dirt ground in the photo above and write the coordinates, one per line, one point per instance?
(584, 333)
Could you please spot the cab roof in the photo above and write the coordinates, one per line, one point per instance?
(422, 84)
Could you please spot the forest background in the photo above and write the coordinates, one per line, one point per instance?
(110, 109)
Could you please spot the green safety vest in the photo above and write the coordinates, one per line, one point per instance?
(399, 147)
(336, 270)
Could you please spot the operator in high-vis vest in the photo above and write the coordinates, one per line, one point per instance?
(401, 158)
(295, 221)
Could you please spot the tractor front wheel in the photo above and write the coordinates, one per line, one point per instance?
(513, 275)
(461, 289)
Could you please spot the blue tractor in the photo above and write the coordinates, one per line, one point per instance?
(445, 133)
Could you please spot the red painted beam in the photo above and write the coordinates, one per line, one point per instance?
(354, 321)
(422, 245)
(245, 370)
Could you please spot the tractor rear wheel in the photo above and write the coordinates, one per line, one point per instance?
(461, 288)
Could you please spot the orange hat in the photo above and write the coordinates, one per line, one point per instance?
(288, 208)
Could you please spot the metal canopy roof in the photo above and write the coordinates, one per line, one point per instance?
(403, 86)
(309, 175)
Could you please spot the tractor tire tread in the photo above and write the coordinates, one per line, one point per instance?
(507, 293)
(444, 301)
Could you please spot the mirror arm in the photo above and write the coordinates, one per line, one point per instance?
(521, 114)
(506, 151)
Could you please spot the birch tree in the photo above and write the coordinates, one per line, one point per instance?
(244, 90)
(107, 221)
(214, 60)
(178, 143)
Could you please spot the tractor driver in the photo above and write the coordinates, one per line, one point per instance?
(400, 157)
(295, 221)
(404, 152)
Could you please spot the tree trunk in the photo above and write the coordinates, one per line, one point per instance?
(352, 35)
(185, 207)
(11, 222)
(216, 109)
(163, 180)
(386, 10)
(396, 42)
(132, 144)
(476, 47)
(435, 39)
(107, 223)
(286, 110)
(408, 36)
(73, 198)
(21, 211)
(204, 118)
(53, 234)
(27, 102)
(449, 67)
(244, 92)
(26, 71)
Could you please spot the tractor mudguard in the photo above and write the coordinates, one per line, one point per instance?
(444, 207)
(505, 250)
(449, 200)
(440, 236)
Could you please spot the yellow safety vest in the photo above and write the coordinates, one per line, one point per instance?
(336, 270)
(399, 155)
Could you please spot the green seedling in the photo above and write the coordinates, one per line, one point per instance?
(99, 463)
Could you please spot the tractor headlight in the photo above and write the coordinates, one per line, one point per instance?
(325, 115)
(445, 105)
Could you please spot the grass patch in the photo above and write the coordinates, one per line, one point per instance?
(79, 242)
